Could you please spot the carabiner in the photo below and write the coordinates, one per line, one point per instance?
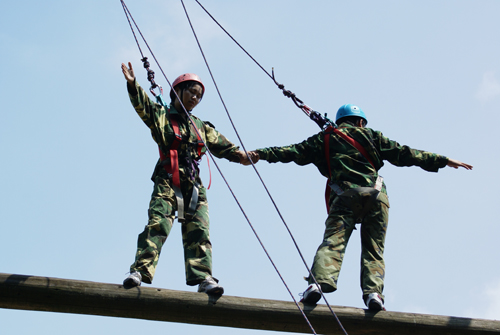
(159, 96)
(152, 89)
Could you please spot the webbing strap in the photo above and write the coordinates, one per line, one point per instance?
(194, 198)
(209, 173)
(174, 156)
(200, 145)
(327, 156)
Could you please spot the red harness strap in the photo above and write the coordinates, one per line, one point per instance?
(200, 145)
(173, 167)
(349, 140)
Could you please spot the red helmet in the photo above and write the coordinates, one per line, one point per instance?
(187, 77)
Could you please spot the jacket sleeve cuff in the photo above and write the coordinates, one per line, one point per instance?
(443, 161)
(262, 154)
(132, 89)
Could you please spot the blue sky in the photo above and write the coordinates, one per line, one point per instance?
(76, 159)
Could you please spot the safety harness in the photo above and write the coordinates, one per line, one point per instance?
(359, 199)
(170, 163)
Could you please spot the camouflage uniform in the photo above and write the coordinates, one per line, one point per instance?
(163, 205)
(350, 170)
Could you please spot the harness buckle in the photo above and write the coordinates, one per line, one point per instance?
(378, 183)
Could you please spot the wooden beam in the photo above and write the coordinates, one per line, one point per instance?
(83, 297)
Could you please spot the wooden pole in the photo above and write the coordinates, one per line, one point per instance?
(83, 297)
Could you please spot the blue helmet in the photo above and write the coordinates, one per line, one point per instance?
(350, 110)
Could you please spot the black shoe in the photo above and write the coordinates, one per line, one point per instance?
(311, 295)
(134, 279)
(210, 286)
(374, 302)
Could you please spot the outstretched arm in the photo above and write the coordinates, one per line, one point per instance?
(456, 164)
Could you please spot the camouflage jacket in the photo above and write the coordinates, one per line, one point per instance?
(349, 168)
(157, 118)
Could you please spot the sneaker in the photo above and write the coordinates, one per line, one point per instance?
(134, 279)
(311, 295)
(374, 302)
(210, 286)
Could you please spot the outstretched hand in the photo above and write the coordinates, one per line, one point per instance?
(128, 72)
(456, 164)
(244, 158)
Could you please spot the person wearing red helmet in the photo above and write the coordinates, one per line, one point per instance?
(177, 184)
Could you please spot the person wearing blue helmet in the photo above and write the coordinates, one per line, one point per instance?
(350, 156)
(349, 111)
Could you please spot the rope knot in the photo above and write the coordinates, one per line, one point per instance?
(288, 94)
(146, 62)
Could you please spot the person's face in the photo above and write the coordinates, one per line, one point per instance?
(191, 96)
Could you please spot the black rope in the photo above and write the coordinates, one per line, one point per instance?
(306, 109)
(299, 104)
(127, 13)
(144, 59)
(151, 74)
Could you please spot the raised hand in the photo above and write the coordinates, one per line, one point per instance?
(128, 72)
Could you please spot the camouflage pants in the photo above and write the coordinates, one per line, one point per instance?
(195, 233)
(339, 227)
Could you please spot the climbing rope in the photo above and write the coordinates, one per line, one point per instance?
(151, 79)
(323, 122)
(151, 74)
